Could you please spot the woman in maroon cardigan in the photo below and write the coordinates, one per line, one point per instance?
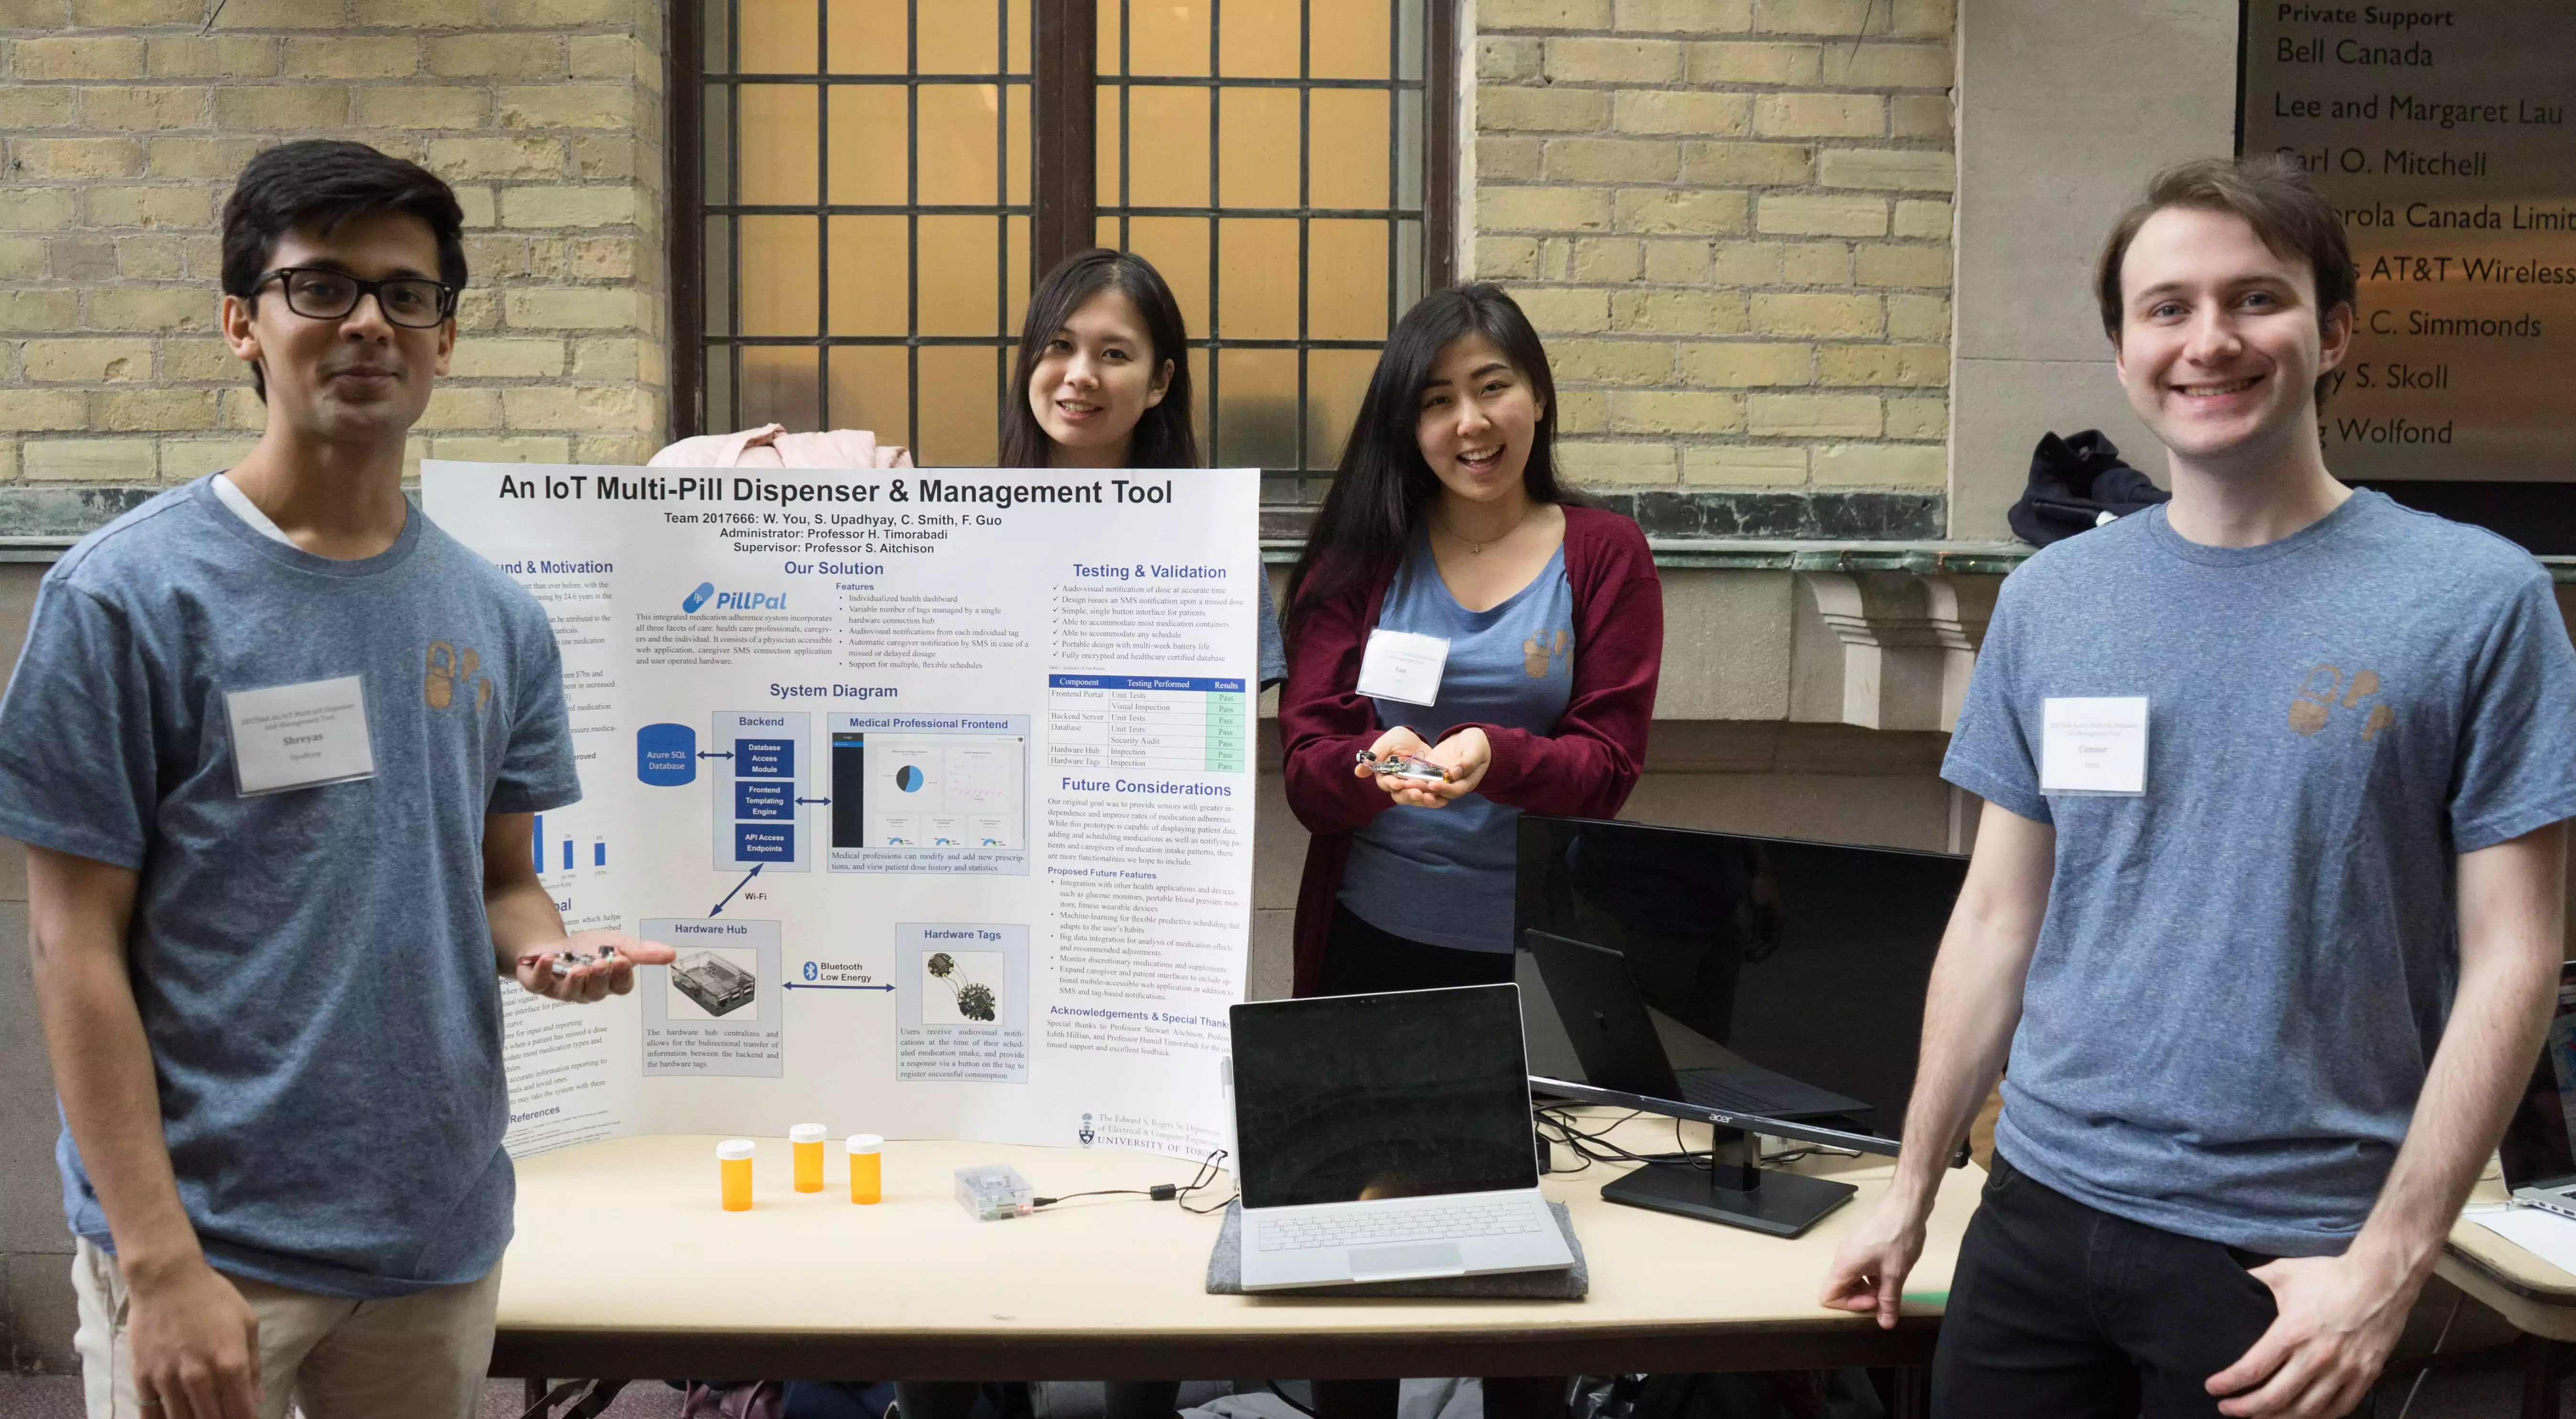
(1446, 519)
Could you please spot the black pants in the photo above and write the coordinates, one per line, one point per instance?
(2059, 1311)
(1359, 959)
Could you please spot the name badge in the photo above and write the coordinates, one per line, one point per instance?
(2095, 744)
(300, 736)
(1402, 666)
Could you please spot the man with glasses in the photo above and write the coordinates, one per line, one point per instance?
(274, 746)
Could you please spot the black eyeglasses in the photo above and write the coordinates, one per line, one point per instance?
(318, 293)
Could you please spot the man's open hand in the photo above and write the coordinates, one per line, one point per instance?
(591, 978)
(1869, 1270)
(2339, 1318)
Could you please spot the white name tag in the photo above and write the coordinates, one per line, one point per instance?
(1399, 665)
(2093, 745)
(298, 736)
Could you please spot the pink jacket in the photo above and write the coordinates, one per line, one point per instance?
(770, 446)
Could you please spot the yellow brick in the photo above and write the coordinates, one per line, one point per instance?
(1918, 366)
(563, 14)
(524, 207)
(1602, 261)
(575, 308)
(478, 310)
(1834, 19)
(606, 359)
(1745, 465)
(183, 459)
(284, 14)
(1682, 112)
(1816, 263)
(1820, 115)
(606, 56)
(1784, 215)
(1544, 209)
(30, 411)
(1747, 364)
(1504, 60)
(601, 408)
(191, 56)
(152, 108)
(485, 56)
(421, 14)
(477, 202)
(1683, 312)
(199, 359)
(1685, 17)
(621, 450)
(241, 408)
(1613, 61)
(281, 108)
(1611, 361)
(1820, 313)
(134, 14)
(1617, 464)
(1795, 415)
(456, 407)
(77, 159)
(152, 410)
(1611, 160)
(38, 209)
(1931, 19)
(33, 14)
(1882, 465)
(353, 57)
(1895, 169)
(1919, 116)
(568, 106)
(1918, 318)
(457, 159)
(152, 308)
(1753, 62)
(602, 259)
(1507, 159)
(1767, 164)
(1917, 218)
(1506, 258)
(24, 258)
(1918, 418)
(89, 460)
(86, 361)
(653, 363)
(1746, 263)
(1543, 15)
(1701, 212)
(470, 449)
(499, 358)
(220, 158)
(1675, 411)
(1888, 66)
(1582, 411)
(406, 107)
(1508, 109)
(1558, 311)
(1677, 263)
(101, 57)
(1904, 266)
(23, 108)
(39, 312)
(205, 256)
(8, 462)
(613, 158)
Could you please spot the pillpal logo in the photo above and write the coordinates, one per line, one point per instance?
(698, 597)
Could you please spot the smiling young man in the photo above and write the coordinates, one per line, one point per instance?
(273, 745)
(2266, 895)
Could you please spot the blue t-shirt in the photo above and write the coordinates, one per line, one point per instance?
(2243, 974)
(1444, 875)
(314, 969)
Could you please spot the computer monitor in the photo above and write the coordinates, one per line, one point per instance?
(1807, 959)
(2536, 1151)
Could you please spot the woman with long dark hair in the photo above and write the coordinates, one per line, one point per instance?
(1447, 535)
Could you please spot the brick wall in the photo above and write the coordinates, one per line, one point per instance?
(121, 128)
(1730, 219)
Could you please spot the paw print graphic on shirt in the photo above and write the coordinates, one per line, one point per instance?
(448, 668)
(1538, 653)
(2325, 690)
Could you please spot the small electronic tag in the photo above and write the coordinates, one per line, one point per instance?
(1403, 666)
(2093, 744)
(300, 736)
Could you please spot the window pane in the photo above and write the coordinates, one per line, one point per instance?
(778, 157)
(1257, 279)
(1015, 169)
(961, 277)
(1105, 136)
(779, 385)
(1346, 280)
(871, 388)
(719, 40)
(1167, 147)
(961, 36)
(1015, 285)
(1106, 35)
(1335, 380)
(1257, 147)
(1019, 22)
(1257, 408)
(958, 164)
(1408, 149)
(1258, 41)
(1408, 265)
(779, 276)
(720, 416)
(719, 276)
(1178, 247)
(871, 276)
(1411, 39)
(1348, 39)
(1346, 148)
(715, 159)
(868, 145)
(867, 36)
(777, 36)
(958, 384)
(1169, 36)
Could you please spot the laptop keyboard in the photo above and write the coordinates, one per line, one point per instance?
(1701, 1089)
(1372, 1226)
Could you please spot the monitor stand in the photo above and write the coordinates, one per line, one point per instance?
(1737, 1191)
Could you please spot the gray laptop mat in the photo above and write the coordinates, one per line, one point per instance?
(1225, 1273)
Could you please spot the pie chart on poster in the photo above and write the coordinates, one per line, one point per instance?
(908, 778)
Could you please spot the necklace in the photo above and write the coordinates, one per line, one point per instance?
(1478, 548)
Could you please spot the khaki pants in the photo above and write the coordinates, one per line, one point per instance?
(420, 1356)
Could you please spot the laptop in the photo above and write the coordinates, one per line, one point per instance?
(1387, 1138)
(2539, 1165)
(1614, 1037)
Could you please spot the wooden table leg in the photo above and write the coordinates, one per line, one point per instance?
(2543, 1365)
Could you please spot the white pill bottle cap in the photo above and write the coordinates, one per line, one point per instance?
(805, 1133)
(866, 1143)
(734, 1149)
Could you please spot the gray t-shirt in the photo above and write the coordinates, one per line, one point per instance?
(314, 968)
(2243, 973)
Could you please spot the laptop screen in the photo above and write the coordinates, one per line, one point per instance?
(2535, 1149)
(1354, 1098)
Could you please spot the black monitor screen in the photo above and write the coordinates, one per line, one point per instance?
(1808, 959)
(849, 788)
(2535, 1149)
(1352, 1098)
